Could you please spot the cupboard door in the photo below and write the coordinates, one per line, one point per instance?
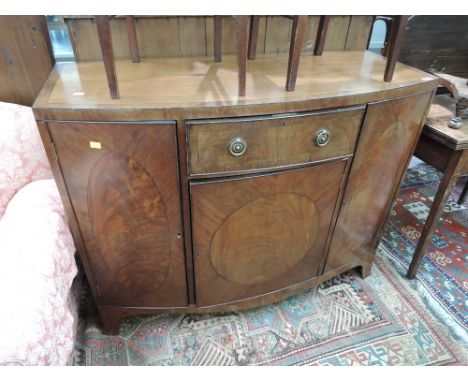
(257, 235)
(123, 184)
(388, 136)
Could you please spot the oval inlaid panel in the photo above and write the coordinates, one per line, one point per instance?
(374, 196)
(130, 226)
(264, 238)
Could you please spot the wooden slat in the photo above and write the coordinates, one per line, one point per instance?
(278, 34)
(193, 35)
(25, 58)
(337, 32)
(438, 42)
(358, 33)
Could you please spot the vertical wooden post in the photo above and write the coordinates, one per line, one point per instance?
(370, 32)
(253, 36)
(297, 38)
(397, 35)
(105, 41)
(242, 37)
(321, 35)
(446, 186)
(217, 38)
(132, 38)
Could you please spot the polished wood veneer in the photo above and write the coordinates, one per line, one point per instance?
(170, 213)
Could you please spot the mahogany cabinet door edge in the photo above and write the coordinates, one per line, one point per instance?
(256, 173)
(266, 117)
(75, 228)
(172, 122)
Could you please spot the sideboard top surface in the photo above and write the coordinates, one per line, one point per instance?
(199, 83)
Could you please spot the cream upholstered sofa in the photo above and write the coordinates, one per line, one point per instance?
(38, 317)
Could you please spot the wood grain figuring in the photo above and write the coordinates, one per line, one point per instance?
(128, 217)
(271, 142)
(204, 83)
(267, 254)
(134, 209)
(358, 33)
(389, 133)
(126, 199)
(242, 248)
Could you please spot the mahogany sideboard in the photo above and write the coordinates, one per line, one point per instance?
(184, 197)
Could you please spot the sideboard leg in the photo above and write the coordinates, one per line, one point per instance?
(365, 270)
(110, 319)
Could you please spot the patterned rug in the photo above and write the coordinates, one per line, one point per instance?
(382, 320)
(443, 273)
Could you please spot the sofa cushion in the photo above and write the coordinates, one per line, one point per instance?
(22, 156)
(37, 323)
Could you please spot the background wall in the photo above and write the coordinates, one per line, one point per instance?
(437, 42)
(26, 58)
(193, 36)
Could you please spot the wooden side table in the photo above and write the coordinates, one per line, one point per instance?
(445, 149)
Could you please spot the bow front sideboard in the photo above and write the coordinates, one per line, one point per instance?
(184, 197)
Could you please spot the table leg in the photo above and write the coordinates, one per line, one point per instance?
(397, 36)
(242, 37)
(105, 41)
(297, 38)
(437, 208)
(462, 196)
(217, 38)
(132, 38)
(321, 35)
(253, 36)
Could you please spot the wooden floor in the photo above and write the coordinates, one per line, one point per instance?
(199, 81)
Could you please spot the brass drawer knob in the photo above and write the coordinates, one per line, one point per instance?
(322, 137)
(237, 146)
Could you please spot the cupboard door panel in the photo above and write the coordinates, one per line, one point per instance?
(122, 180)
(388, 136)
(256, 235)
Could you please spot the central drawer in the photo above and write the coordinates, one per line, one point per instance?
(236, 145)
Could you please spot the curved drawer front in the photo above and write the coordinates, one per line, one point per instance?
(245, 144)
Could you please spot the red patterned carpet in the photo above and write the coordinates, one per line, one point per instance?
(382, 320)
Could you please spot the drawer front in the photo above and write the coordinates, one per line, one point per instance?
(246, 144)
